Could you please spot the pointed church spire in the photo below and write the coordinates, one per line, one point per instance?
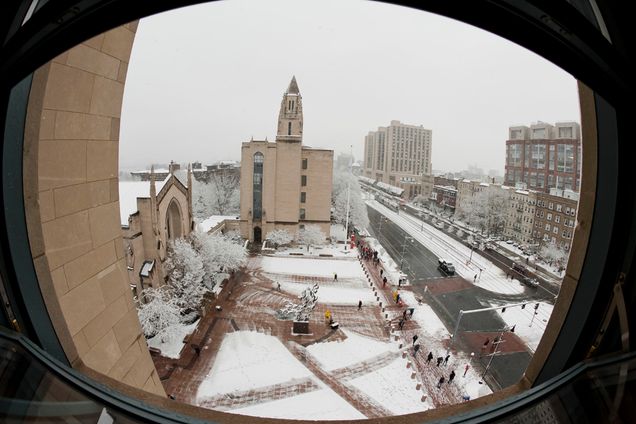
(290, 117)
(293, 86)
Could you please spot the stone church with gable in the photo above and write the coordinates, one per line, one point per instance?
(153, 213)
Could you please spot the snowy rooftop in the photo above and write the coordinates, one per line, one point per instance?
(129, 191)
(212, 221)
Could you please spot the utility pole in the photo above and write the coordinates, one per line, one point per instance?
(495, 351)
(348, 195)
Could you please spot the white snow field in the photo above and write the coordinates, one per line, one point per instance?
(492, 278)
(392, 387)
(350, 288)
(312, 266)
(355, 348)
(249, 360)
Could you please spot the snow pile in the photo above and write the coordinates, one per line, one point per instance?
(171, 346)
(355, 348)
(391, 269)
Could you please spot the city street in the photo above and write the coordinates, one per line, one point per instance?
(449, 295)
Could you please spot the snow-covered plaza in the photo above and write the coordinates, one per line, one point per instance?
(248, 361)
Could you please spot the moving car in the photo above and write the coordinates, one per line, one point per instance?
(531, 282)
(446, 266)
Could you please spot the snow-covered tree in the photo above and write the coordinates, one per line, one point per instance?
(218, 196)
(343, 181)
(554, 255)
(486, 211)
(311, 235)
(185, 274)
(157, 311)
(279, 237)
(219, 254)
(460, 233)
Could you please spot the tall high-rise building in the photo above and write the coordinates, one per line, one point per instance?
(544, 156)
(285, 185)
(399, 155)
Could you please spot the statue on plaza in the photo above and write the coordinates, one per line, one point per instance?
(301, 312)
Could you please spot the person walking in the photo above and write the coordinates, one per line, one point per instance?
(397, 298)
(466, 368)
(416, 348)
(446, 359)
(439, 360)
(359, 304)
(429, 357)
(440, 382)
(278, 285)
(414, 339)
(475, 278)
(404, 315)
(335, 276)
(451, 377)
(401, 324)
(197, 349)
(381, 272)
(384, 282)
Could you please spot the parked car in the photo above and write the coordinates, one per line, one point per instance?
(510, 241)
(446, 266)
(531, 282)
(490, 246)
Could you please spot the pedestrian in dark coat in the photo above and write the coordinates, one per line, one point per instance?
(359, 304)
(441, 381)
(335, 276)
(381, 272)
(439, 360)
(451, 377)
(416, 348)
(429, 357)
(404, 314)
(401, 324)
(446, 359)
(414, 338)
(384, 282)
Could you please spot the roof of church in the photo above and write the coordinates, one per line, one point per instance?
(293, 86)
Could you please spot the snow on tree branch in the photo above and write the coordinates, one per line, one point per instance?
(279, 237)
(343, 181)
(311, 235)
(159, 312)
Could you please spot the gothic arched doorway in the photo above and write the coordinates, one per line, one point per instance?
(173, 221)
(257, 235)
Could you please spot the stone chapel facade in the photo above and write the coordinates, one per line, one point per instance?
(285, 185)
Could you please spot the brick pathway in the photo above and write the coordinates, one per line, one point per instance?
(244, 398)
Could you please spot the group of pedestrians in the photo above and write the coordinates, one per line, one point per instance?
(368, 253)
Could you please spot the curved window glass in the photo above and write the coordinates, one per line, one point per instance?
(257, 187)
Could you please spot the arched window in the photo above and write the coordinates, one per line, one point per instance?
(257, 187)
(173, 220)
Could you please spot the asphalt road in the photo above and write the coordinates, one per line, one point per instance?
(420, 264)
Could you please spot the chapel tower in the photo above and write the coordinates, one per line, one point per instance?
(290, 117)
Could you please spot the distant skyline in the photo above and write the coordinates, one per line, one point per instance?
(204, 79)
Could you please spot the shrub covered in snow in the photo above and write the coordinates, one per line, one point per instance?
(279, 237)
(311, 235)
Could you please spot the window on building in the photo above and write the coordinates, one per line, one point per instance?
(557, 218)
(550, 205)
(302, 213)
(304, 163)
(565, 132)
(303, 197)
(257, 186)
(549, 217)
(547, 227)
(289, 128)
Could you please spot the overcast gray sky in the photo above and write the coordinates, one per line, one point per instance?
(205, 78)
